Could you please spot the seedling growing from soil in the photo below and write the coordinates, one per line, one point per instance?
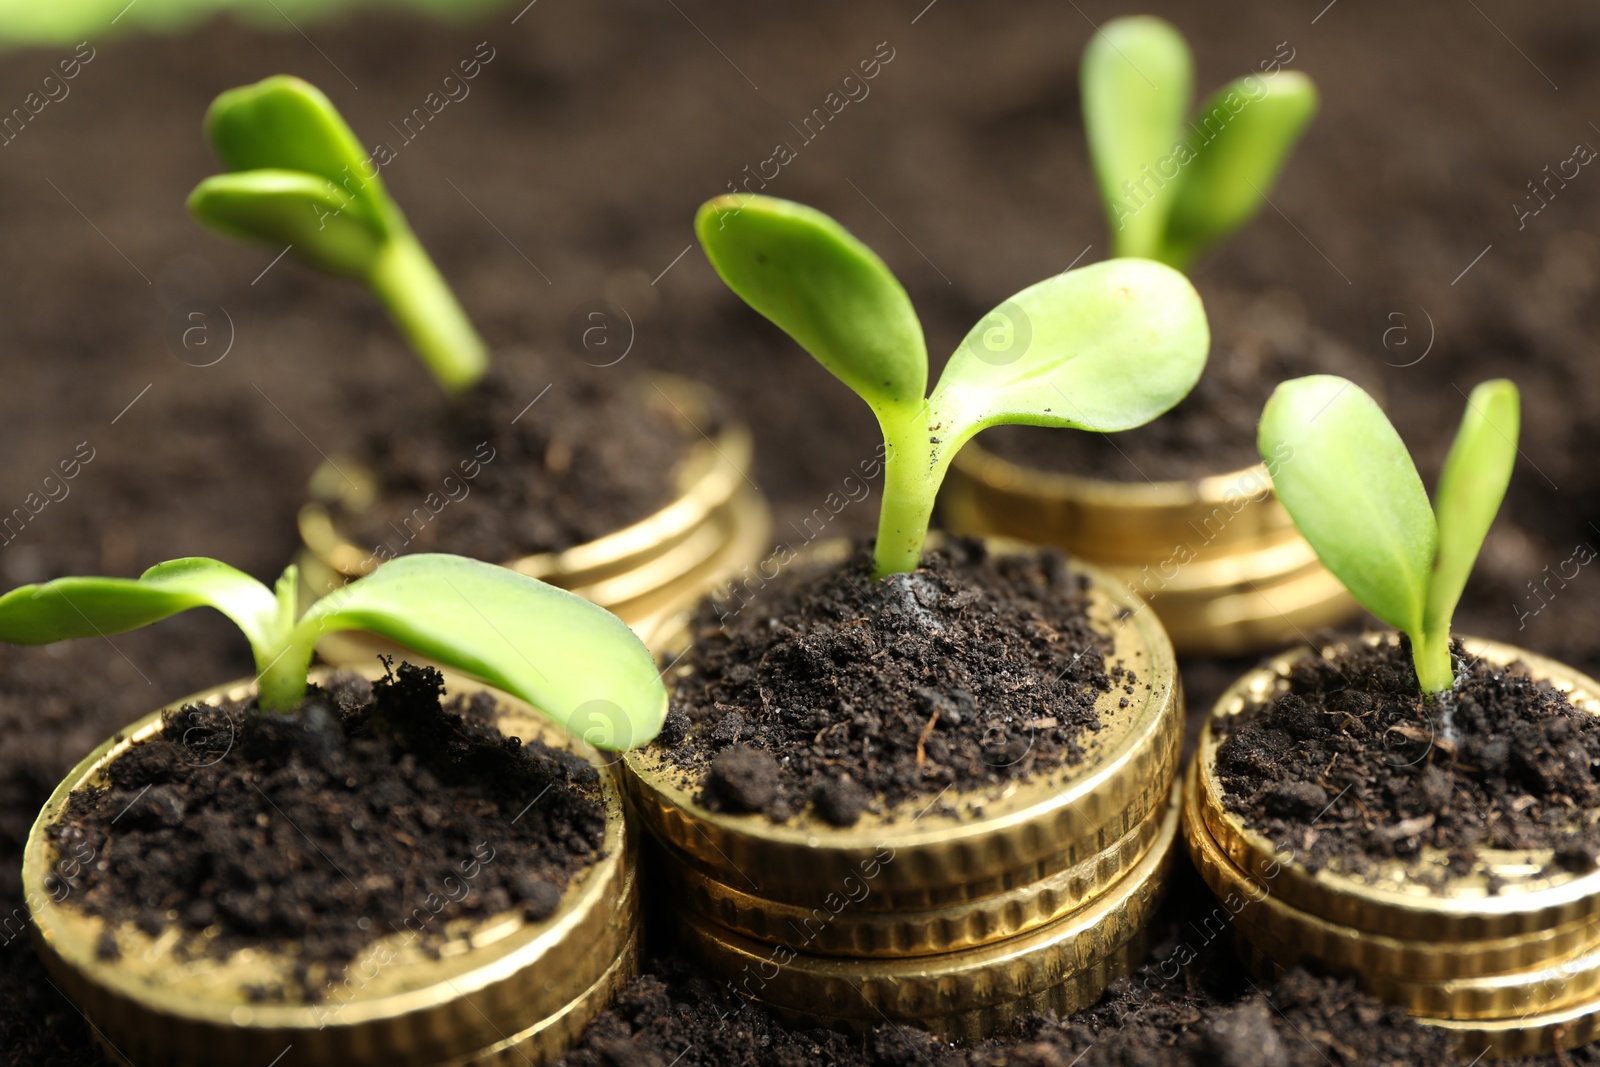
(575, 662)
(1105, 348)
(1351, 488)
(1171, 192)
(298, 177)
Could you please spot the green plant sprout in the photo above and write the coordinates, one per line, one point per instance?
(298, 177)
(1106, 347)
(1353, 491)
(1170, 193)
(576, 663)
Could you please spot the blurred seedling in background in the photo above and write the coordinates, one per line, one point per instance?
(1106, 347)
(557, 651)
(1353, 491)
(297, 176)
(1173, 186)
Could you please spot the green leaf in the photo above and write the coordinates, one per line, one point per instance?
(284, 123)
(574, 661)
(96, 607)
(1136, 80)
(1349, 484)
(1252, 125)
(1106, 347)
(825, 289)
(278, 207)
(1471, 487)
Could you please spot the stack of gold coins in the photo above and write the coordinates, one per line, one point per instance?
(1506, 954)
(495, 992)
(1217, 558)
(956, 912)
(714, 526)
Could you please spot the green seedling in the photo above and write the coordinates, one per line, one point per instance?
(1351, 488)
(1174, 185)
(297, 176)
(573, 661)
(1106, 347)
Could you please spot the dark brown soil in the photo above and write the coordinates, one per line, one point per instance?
(826, 687)
(281, 829)
(1256, 343)
(1352, 765)
(538, 457)
(1191, 1005)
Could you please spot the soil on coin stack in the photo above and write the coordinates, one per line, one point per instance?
(1503, 761)
(531, 459)
(226, 802)
(827, 689)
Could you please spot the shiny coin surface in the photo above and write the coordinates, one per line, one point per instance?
(957, 845)
(396, 1003)
(1506, 895)
(1570, 979)
(840, 925)
(1065, 963)
(1265, 919)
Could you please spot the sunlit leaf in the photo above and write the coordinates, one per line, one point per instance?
(1350, 485)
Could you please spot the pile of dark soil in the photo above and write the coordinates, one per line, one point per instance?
(1256, 343)
(282, 828)
(831, 688)
(1191, 1005)
(1352, 765)
(538, 457)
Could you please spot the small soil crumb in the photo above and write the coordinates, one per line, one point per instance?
(494, 475)
(1351, 766)
(371, 809)
(824, 687)
(1257, 342)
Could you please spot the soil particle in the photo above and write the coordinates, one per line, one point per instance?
(272, 828)
(834, 691)
(476, 477)
(1351, 766)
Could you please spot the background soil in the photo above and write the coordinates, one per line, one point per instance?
(584, 147)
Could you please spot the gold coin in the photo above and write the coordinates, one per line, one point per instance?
(549, 1039)
(1112, 522)
(839, 925)
(1563, 981)
(975, 988)
(1221, 564)
(1259, 913)
(957, 845)
(1507, 894)
(395, 1003)
(1525, 1035)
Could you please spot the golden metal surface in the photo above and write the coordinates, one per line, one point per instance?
(715, 525)
(1506, 895)
(1261, 916)
(1537, 1029)
(395, 1004)
(962, 994)
(1111, 521)
(839, 926)
(549, 1038)
(1218, 558)
(957, 846)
